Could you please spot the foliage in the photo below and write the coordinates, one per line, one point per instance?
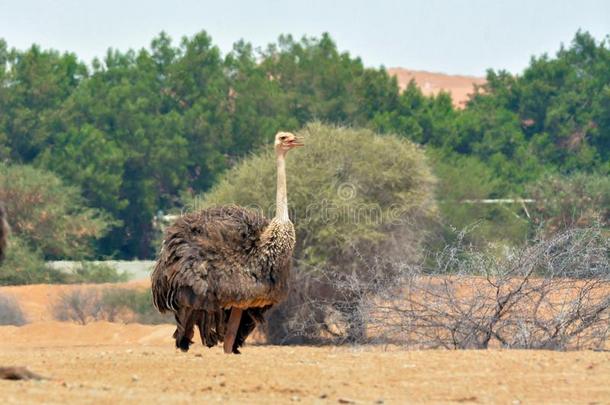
(46, 214)
(10, 312)
(88, 272)
(139, 128)
(463, 181)
(137, 302)
(552, 117)
(347, 187)
(564, 202)
(26, 266)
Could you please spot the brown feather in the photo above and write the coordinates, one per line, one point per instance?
(220, 258)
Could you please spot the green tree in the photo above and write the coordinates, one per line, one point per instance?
(33, 85)
(47, 215)
(563, 202)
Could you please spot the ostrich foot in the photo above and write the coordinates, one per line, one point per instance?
(231, 331)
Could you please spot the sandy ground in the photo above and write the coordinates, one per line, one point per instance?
(432, 83)
(153, 373)
(104, 362)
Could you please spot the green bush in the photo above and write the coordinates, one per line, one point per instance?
(48, 219)
(48, 215)
(348, 189)
(564, 202)
(135, 301)
(462, 180)
(89, 272)
(26, 266)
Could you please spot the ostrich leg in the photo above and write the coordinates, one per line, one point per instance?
(231, 331)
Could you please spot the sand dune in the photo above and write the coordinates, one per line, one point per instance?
(432, 83)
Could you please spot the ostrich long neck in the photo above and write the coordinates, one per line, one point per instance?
(281, 201)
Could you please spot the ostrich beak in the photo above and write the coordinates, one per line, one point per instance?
(295, 142)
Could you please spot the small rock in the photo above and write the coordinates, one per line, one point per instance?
(346, 401)
(135, 378)
(18, 373)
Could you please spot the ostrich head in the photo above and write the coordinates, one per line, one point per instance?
(284, 141)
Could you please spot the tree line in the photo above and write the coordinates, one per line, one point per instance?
(137, 131)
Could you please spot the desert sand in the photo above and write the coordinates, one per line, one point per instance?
(145, 372)
(104, 362)
(432, 83)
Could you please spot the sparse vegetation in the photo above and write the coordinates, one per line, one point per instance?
(81, 305)
(88, 272)
(112, 304)
(24, 266)
(10, 311)
(135, 304)
(551, 294)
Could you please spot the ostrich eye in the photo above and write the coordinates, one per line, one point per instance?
(282, 138)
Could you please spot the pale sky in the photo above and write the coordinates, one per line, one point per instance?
(458, 37)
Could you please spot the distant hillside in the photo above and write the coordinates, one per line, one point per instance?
(431, 83)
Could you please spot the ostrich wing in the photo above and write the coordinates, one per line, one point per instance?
(200, 253)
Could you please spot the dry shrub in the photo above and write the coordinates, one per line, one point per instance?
(552, 294)
(10, 311)
(82, 305)
(110, 304)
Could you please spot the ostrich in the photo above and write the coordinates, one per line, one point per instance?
(3, 232)
(222, 268)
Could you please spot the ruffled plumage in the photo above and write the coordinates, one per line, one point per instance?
(220, 258)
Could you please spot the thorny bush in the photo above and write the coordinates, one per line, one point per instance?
(553, 293)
